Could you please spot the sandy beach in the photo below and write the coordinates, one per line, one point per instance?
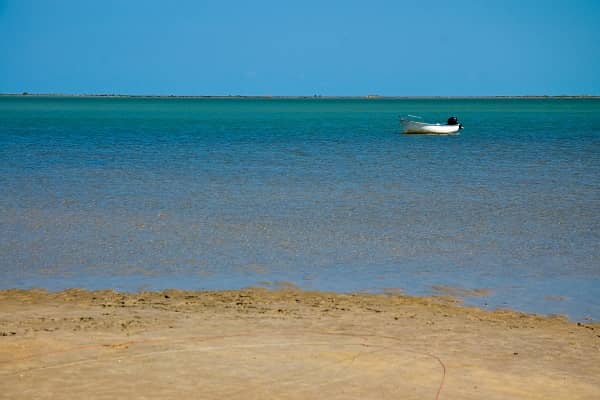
(286, 344)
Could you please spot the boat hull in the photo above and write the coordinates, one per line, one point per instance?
(413, 127)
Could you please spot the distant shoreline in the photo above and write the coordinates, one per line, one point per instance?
(315, 97)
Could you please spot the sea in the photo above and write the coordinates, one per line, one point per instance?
(134, 193)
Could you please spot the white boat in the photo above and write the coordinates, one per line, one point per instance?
(415, 127)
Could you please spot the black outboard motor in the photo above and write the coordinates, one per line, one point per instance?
(454, 121)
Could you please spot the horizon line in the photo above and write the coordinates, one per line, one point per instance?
(315, 96)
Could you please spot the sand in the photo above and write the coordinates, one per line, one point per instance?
(285, 344)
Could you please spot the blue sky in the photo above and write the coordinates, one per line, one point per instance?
(306, 47)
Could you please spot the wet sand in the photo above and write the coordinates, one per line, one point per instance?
(285, 344)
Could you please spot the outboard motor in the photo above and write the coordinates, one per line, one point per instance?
(454, 121)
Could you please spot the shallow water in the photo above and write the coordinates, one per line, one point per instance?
(133, 193)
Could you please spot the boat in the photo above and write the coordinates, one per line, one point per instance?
(409, 126)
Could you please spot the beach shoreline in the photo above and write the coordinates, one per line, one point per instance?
(257, 343)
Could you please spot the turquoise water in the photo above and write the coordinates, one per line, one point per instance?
(134, 193)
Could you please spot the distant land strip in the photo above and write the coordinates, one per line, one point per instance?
(316, 96)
